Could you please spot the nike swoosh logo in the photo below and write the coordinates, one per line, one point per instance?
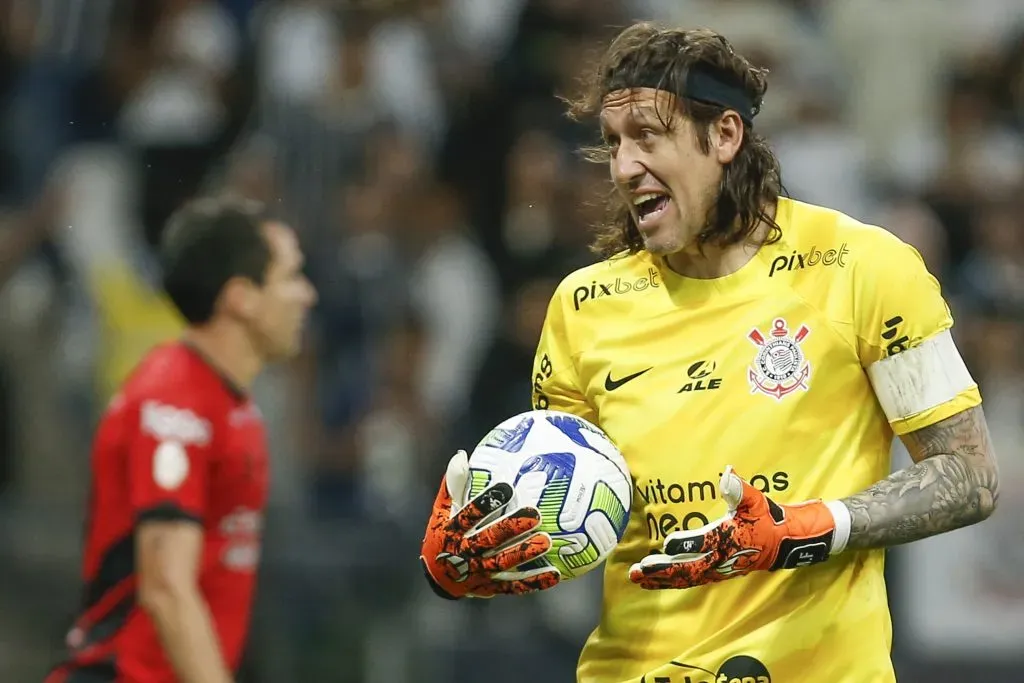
(613, 384)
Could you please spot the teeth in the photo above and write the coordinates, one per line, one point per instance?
(644, 197)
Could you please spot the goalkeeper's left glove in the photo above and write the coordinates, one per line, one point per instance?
(756, 534)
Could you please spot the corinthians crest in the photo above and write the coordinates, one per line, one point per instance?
(780, 367)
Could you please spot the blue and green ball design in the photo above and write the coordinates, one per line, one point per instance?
(576, 475)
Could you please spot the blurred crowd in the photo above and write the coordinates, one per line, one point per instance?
(420, 150)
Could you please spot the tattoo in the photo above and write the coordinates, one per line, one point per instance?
(954, 483)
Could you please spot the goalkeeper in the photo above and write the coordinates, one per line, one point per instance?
(754, 388)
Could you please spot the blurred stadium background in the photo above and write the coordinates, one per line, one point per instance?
(418, 148)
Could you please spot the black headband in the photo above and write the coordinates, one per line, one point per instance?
(702, 85)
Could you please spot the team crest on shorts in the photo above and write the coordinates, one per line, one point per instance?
(780, 367)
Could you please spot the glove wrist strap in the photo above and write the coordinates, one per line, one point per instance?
(844, 521)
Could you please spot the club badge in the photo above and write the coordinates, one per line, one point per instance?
(780, 367)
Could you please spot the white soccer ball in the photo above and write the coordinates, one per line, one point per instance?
(568, 469)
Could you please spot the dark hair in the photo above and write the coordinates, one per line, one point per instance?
(644, 52)
(208, 242)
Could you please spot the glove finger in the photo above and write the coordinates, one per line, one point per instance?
(696, 541)
(689, 542)
(731, 488)
(661, 571)
(536, 582)
(653, 565)
(519, 574)
(489, 501)
(456, 478)
(639, 571)
(440, 518)
(742, 497)
(510, 558)
(654, 571)
(503, 530)
(715, 566)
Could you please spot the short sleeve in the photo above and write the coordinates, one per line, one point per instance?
(555, 382)
(168, 461)
(904, 341)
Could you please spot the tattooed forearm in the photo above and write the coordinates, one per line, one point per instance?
(953, 483)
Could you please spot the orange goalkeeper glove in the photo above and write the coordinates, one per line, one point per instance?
(464, 553)
(756, 534)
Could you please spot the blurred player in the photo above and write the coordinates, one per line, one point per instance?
(179, 463)
(730, 326)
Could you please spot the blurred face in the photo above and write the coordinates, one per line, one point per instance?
(661, 172)
(278, 309)
(535, 168)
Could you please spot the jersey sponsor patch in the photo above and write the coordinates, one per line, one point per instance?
(168, 423)
(780, 367)
(920, 378)
(170, 465)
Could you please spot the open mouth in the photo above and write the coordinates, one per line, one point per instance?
(650, 206)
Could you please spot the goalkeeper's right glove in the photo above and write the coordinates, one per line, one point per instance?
(462, 559)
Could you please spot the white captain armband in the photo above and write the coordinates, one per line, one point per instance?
(920, 378)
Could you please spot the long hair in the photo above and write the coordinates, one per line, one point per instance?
(750, 182)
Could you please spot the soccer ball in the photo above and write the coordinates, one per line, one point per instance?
(569, 470)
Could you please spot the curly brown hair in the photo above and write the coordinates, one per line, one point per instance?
(751, 181)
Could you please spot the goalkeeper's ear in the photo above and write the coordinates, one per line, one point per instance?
(457, 480)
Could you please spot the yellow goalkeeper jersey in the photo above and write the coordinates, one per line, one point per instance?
(797, 370)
